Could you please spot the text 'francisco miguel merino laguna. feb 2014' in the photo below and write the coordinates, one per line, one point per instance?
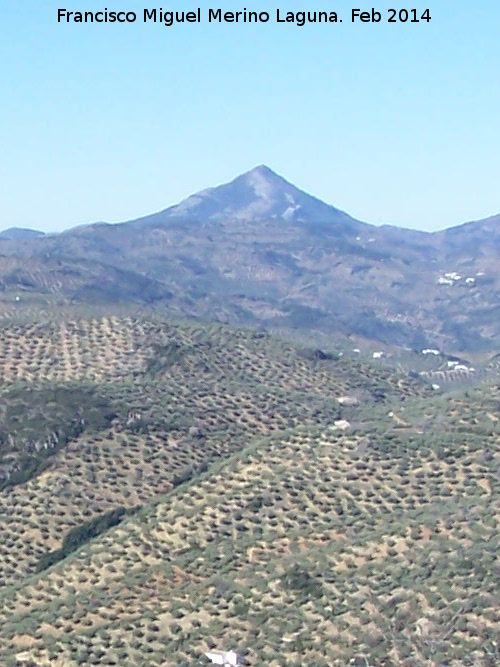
(170, 18)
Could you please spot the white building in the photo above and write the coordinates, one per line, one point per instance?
(223, 657)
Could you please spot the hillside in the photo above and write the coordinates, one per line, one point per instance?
(169, 488)
(261, 252)
(159, 401)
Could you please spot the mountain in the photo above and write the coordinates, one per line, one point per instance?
(257, 195)
(17, 233)
(260, 252)
(479, 236)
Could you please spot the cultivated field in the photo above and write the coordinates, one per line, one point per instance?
(168, 488)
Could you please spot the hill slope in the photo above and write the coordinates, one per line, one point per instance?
(115, 411)
(187, 487)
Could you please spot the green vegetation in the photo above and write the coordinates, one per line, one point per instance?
(37, 421)
(82, 534)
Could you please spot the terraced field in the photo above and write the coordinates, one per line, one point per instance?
(173, 488)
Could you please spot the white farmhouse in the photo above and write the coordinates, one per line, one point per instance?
(223, 657)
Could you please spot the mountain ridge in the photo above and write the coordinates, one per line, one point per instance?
(18, 233)
(259, 252)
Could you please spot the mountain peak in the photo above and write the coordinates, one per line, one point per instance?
(258, 194)
(265, 183)
(262, 171)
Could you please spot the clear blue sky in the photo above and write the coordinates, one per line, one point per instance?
(395, 124)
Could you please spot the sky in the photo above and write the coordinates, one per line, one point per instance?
(393, 123)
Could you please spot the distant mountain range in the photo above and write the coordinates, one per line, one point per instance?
(14, 233)
(258, 251)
